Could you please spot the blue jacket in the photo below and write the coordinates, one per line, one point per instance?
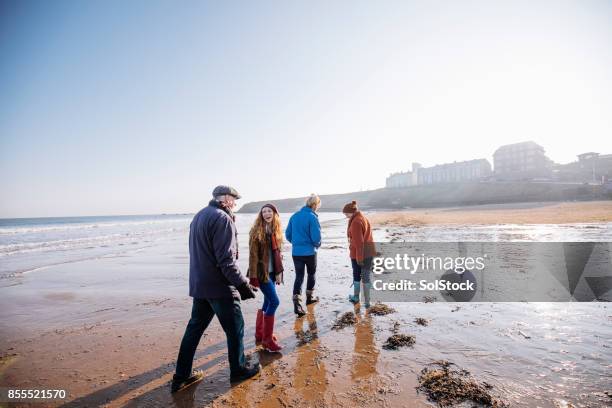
(213, 254)
(304, 232)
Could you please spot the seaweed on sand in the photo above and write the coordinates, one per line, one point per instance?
(380, 309)
(347, 319)
(399, 340)
(448, 386)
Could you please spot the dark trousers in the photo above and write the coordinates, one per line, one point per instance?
(301, 263)
(230, 316)
(361, 273)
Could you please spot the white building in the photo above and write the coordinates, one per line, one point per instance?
(404, 178)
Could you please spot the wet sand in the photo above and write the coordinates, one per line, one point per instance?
(108, 331)
(519, 213)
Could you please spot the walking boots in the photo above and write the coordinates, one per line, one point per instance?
(310, 299)
(249, 370)
(297, 306)
(179, 384)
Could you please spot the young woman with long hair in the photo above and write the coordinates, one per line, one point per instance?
(265, 271)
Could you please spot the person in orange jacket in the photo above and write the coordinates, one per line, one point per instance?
(265, 271)
(362, 250)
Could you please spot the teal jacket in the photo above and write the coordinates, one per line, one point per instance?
(304, 232)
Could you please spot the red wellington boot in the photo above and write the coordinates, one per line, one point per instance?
(269, 340)
(259, 327)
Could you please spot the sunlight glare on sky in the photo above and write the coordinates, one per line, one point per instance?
(138, 107)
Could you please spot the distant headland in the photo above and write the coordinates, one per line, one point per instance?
(448, 195)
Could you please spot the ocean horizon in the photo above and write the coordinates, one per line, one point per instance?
(28, 244)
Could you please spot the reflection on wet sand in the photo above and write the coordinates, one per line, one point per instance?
(310, 375)
(365, 354)
(273, 392)
(195, 396)
(366, 387)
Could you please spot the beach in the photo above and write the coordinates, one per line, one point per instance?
(105, 322)
(444, 166)
(513, 213)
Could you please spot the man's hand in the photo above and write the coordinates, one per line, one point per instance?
(278, 279)
(247, 291)
(360, 263)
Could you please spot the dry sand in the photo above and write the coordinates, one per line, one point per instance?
(520, 213)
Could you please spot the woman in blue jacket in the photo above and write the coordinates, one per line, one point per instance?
(304, 233)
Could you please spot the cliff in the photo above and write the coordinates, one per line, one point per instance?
(445, 195)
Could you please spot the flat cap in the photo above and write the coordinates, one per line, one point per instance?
(226, 190)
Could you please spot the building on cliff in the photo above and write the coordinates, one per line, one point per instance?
(521, 161)
(590, 167)
(470, 170)
(404, 178)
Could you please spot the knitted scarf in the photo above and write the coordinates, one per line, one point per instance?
(276, 253)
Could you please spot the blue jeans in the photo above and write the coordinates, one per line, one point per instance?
(362, 273)
(302, 263)
(271, 300)
(230, 316)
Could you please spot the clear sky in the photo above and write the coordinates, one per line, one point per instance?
(132, 107)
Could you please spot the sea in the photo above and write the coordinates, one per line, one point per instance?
(29, 244)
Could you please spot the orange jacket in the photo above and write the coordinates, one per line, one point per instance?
(361, 243)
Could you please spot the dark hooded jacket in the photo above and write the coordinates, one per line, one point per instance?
(213, 254)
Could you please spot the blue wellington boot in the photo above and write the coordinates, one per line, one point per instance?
(354, 298)
(366, 294)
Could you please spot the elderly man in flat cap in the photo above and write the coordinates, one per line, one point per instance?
(216, 285)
